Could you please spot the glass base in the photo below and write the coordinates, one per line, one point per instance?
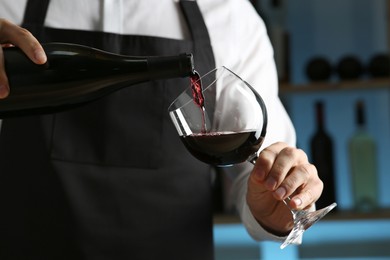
(304, 220)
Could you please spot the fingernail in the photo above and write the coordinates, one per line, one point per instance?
(297, 201)
(270, 183)
(280, 192)
(260, 175)
(40, 56)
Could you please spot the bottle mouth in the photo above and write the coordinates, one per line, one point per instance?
(181, 65)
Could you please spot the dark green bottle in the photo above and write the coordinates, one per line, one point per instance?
(323, 157)
(75, 74)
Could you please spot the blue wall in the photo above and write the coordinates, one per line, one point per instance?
(334, 29)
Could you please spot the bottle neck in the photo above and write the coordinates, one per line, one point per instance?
(163, 67)
(360, 116)
(320, 116)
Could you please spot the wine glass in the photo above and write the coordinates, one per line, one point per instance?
(222, 121)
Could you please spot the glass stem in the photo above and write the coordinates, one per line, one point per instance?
(253, 159)
(293, 211)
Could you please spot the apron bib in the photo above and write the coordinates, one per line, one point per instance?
(109, 180)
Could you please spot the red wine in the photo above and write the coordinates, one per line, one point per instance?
(197, 96)
(75, 75)
(223, 148)
(197, 90)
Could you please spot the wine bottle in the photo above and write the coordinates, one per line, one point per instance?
(349, 68)
(379, 66)
(318, 69)
(76, 74)
(362, 151)
(322, 157)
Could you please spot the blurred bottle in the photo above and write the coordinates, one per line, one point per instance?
(362, 152)
(349, 68)
(318, 69)
(322, 157)
(218, 192)
(379, 66)
(279, 37)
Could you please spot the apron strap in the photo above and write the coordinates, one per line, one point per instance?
(199, 32)
(35, 12)
(195, 20)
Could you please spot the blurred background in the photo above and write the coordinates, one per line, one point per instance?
(334, 71)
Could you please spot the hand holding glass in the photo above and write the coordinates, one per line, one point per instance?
(228, 129)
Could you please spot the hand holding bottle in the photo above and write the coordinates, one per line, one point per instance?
(72, 75)
(11, 34)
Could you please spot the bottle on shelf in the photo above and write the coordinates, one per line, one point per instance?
(318, 69)
(379, 66)
(75, 74)
(322, 157)
(280, 37)
(363, 164)
(349, 68)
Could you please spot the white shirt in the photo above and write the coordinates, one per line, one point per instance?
(239, 41)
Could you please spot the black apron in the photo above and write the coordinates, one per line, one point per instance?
(110, 180)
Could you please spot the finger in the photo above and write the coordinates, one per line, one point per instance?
(298, 177)
(7, 45)
(266, 160)
(307, 196)
(302, 186)
(20, 37)
(288, 158)
(4, 87)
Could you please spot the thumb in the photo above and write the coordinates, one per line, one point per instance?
(4, 87)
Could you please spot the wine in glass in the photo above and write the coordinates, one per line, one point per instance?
(222, 121)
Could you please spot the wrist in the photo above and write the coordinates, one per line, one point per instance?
(270, 228)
